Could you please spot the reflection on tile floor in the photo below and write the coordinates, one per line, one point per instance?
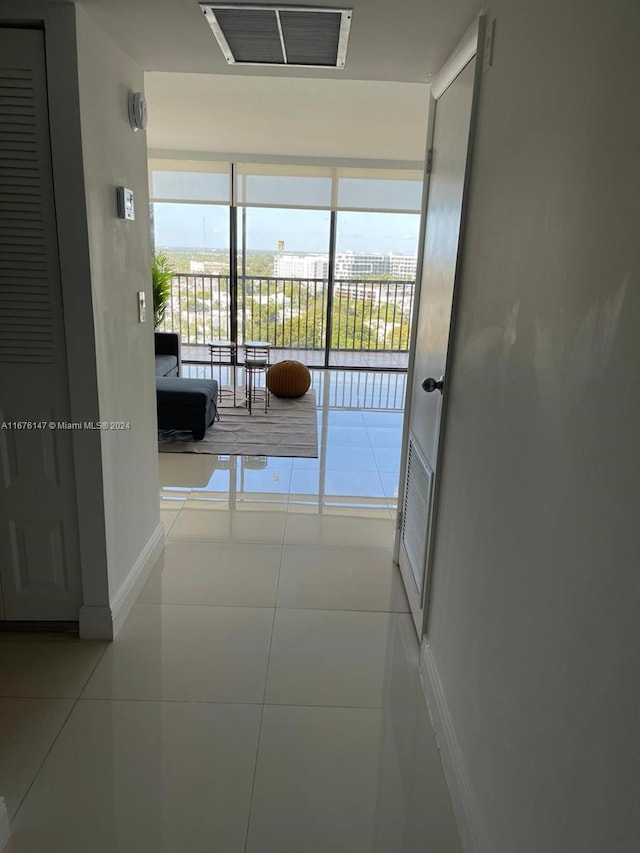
(263, 695)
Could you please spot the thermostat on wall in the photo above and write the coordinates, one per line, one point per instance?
(125, 203)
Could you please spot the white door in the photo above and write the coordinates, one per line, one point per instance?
(39, 552)
(427, 392)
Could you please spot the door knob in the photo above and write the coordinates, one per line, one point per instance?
(430, 384)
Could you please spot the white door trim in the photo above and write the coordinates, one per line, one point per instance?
(461, 56)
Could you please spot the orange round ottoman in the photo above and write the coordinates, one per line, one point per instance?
(288, 379)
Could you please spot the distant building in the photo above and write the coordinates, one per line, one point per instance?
(404, 266)
(349, 265)
(208, 267)
(301, 266)
(367, 264)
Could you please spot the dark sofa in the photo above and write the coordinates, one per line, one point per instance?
(167, 346)
(182, 403)
(186, 404)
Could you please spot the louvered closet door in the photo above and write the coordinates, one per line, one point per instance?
(39, 564)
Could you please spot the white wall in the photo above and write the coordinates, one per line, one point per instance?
(120, 267)
(289, 117)
(535, 598)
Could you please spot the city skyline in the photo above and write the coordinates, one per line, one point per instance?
(206, 227)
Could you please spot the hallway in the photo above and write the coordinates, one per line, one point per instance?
(263, 695)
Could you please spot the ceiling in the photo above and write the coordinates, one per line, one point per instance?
(390, 40)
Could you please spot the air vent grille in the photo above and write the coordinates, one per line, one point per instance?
(304, 36)
(252, 35)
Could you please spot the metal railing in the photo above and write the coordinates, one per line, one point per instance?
(367, 315)
(198, 309)
(361, 390)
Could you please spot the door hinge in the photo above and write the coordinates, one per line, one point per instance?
(429, 165)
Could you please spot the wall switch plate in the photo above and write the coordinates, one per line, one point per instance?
(142, 307)
(124, 198)
(489, 39)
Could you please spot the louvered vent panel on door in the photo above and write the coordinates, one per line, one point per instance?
(26, 325)
(39, 537)
(416, 513)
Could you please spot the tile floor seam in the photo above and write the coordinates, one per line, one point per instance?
(221, 541)
(165, 701)
(273, 623)
(188, 604)
(39, 696)
(344, 610)
(75, 701)
(42, 763)
(264, 696)
(253, 777)
(333, 705)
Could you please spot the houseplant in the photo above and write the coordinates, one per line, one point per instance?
(162, 276)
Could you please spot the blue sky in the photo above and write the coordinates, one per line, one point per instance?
(207, 226)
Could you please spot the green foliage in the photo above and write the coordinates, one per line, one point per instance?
(256, 262)
(162, 276)
(296, 318)
(371, 315)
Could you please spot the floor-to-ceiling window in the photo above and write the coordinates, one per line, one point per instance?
(190, 221)
(375, 263)
(318, 260)
(282, 295)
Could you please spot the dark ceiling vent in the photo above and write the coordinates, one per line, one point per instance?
(303, 36)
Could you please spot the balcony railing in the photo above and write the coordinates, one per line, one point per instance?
(367, 315)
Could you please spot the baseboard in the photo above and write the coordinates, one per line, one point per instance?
(464, 803)
(135, 580)
(95, 622)
(104, 622)
(5, 830)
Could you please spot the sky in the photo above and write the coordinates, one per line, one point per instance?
(201, 226)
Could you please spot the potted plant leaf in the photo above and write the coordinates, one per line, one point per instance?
(162, 276)
(167, 344)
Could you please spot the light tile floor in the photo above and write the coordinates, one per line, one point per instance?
(263, 695)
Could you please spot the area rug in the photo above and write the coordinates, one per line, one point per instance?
(289, 428)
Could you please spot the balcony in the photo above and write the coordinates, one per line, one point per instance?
(361, 323)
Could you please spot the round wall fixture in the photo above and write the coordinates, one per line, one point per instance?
(137, 111)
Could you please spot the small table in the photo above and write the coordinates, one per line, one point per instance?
(256, 362)
(257, 350)
(223, 353)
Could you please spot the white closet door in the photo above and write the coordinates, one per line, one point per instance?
(454, 102)
(39, 557)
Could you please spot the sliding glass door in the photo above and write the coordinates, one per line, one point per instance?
(282, 279)
(318, 260)
(190, 221)
(373, 286)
